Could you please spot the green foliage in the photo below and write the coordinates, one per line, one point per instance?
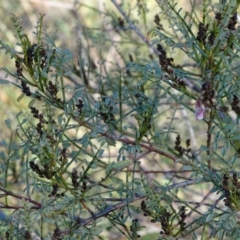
(95, 156)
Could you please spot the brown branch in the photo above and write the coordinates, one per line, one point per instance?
(111, 208)
(17, 207)
(128, 141)
(200, 203)
(9, 193)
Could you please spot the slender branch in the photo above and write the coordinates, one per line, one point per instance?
(17, 207)
(200, 203)
(9, 193)
(128, 141)
(111, 208)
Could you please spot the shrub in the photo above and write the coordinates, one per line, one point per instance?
(112, 145)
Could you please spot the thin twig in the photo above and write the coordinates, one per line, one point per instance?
(9, 193)
(135, 28)
(200, 203)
